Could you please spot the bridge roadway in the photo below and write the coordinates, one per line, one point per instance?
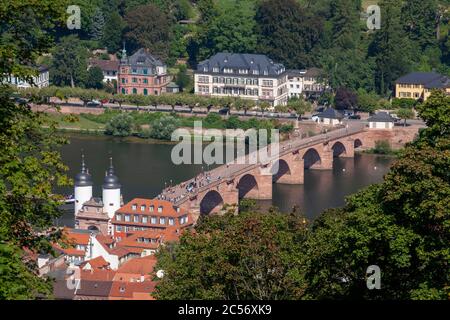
(208, 180)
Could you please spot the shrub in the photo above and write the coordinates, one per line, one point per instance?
(120, 126)
(382, 147)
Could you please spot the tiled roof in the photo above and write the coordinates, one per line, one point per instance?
(330, 113)
(246, 61)
(76, 237)
(381, 117)
(418, 78)
(130, 289)
(313, 72)
(97, 274)
(94, 288)
(73, 252)
(438, 83)
(143, 58)
(132, 240)
(141, 266)
(96, 263)
(105, 65)
(168, 209)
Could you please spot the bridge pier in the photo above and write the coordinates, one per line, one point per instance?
(349, 145)
(326, 160)
(296, 173)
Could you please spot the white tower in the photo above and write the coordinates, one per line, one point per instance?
(111, 192)
(83, 186)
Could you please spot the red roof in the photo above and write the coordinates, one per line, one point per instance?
(97, 275)
(76, 238)
(96, 263)
(168, 209)
(132, 290)
(140, 266)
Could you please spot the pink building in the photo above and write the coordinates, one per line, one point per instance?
(142, 74)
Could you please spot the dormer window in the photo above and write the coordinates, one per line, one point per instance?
(134, 207)
(256, 72)
(152, 208)
(160, 209)
(228, 70)
(215, 69)
(143, 208)
(205, 69)
(118, 217)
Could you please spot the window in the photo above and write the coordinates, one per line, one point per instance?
(145, 92)
(153, 220)
(118, 217)
(171, 221)
(118, 228)
(152, 207)
(123, 80)
(134, 91)
(136, 218)
(134, 71)
(123, 90)
(160, 209)
(134, 80)
(162, 220)
(145, 80)
(143, 208)
(134, 207)
(145, 71)
(127, 218)
(144, 219)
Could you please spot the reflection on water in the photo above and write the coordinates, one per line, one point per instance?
(145, 168)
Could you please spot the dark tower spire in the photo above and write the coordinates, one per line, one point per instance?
(83, 178)
(111, 180)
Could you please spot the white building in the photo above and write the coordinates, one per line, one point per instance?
(330, 117)
(381, 120)
(247, 76)
(306, 83)
(96, 213)
(40, 81)
(110, 68)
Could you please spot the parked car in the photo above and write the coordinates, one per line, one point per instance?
(355, 117)
(315, 118)
(94, 103)
(224, 111)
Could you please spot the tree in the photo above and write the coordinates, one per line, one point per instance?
(97, 25)
(183, 79)
(94, 78)
(367, 101)
(241, 257)
(163, 127)
(419, 18)
(405, 114)
(69, 64)
(149, 27)
(401, 225)
(345, 99)
(120, 126)
(112, 32)
(287, 33)
(390, 47)
(300, 106)
(30, 163)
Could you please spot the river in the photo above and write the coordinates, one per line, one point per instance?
(145, 167)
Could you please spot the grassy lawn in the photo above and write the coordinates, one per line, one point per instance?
(67, 121)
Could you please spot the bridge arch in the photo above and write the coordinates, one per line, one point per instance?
(338, 149)
(247, 186)
(358, 143)
(279, 169)
(212, 202)
(312, 158)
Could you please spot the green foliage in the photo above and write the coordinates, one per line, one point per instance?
(97, 25)
(163, 127)
(69, 64)
(94, 78)
(112, 32)
(404, 103)
(148, 27)
(120, 126)
(30, 163)
(382, 147)
(405, 114)
(367, 101)
(183, 79)
(249, 256)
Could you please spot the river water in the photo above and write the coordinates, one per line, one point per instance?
(145, 167)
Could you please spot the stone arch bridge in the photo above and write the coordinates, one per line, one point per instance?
(227, 184)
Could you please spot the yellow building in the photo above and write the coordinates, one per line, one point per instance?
(418, 85)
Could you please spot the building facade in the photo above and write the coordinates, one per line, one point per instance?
(145, 214)
(418, 85)
(110, 68)
(247, 76)
(41, 80)
(143, 74)
(306, 83)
